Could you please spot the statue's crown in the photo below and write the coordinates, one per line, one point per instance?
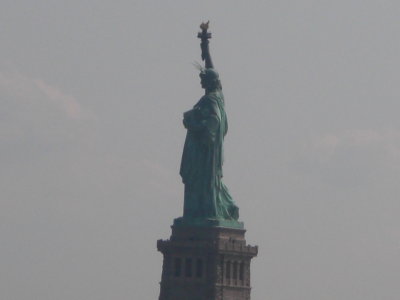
(209, 74)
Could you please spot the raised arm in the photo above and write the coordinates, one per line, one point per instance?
(205, 51)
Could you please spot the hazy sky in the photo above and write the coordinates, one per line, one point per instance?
(92, 95)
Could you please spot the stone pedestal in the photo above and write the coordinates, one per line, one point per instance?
(206, 263)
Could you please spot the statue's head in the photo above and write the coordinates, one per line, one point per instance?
(210, 79)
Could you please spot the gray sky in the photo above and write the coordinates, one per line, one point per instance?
(92, 95)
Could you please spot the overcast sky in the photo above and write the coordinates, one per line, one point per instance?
(92, 95)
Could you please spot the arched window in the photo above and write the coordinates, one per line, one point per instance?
(241, 271)
(228, 270)
(177, 267)
(235, 270)
(199, 268)
(188, 267)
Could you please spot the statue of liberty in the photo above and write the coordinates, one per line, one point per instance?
(207, 199)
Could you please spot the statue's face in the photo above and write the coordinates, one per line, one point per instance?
(203, 82)
(208, 79)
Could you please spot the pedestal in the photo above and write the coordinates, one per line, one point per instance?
(206, 263)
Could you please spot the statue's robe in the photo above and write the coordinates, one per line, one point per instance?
(206, 197)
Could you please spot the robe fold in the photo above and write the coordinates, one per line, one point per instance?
(206, 197)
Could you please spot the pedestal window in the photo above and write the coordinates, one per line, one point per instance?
(199, 268)
(177, 267)
(188, 267)
(228, 270)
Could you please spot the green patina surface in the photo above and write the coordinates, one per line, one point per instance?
(207, 200)
(206, 196)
